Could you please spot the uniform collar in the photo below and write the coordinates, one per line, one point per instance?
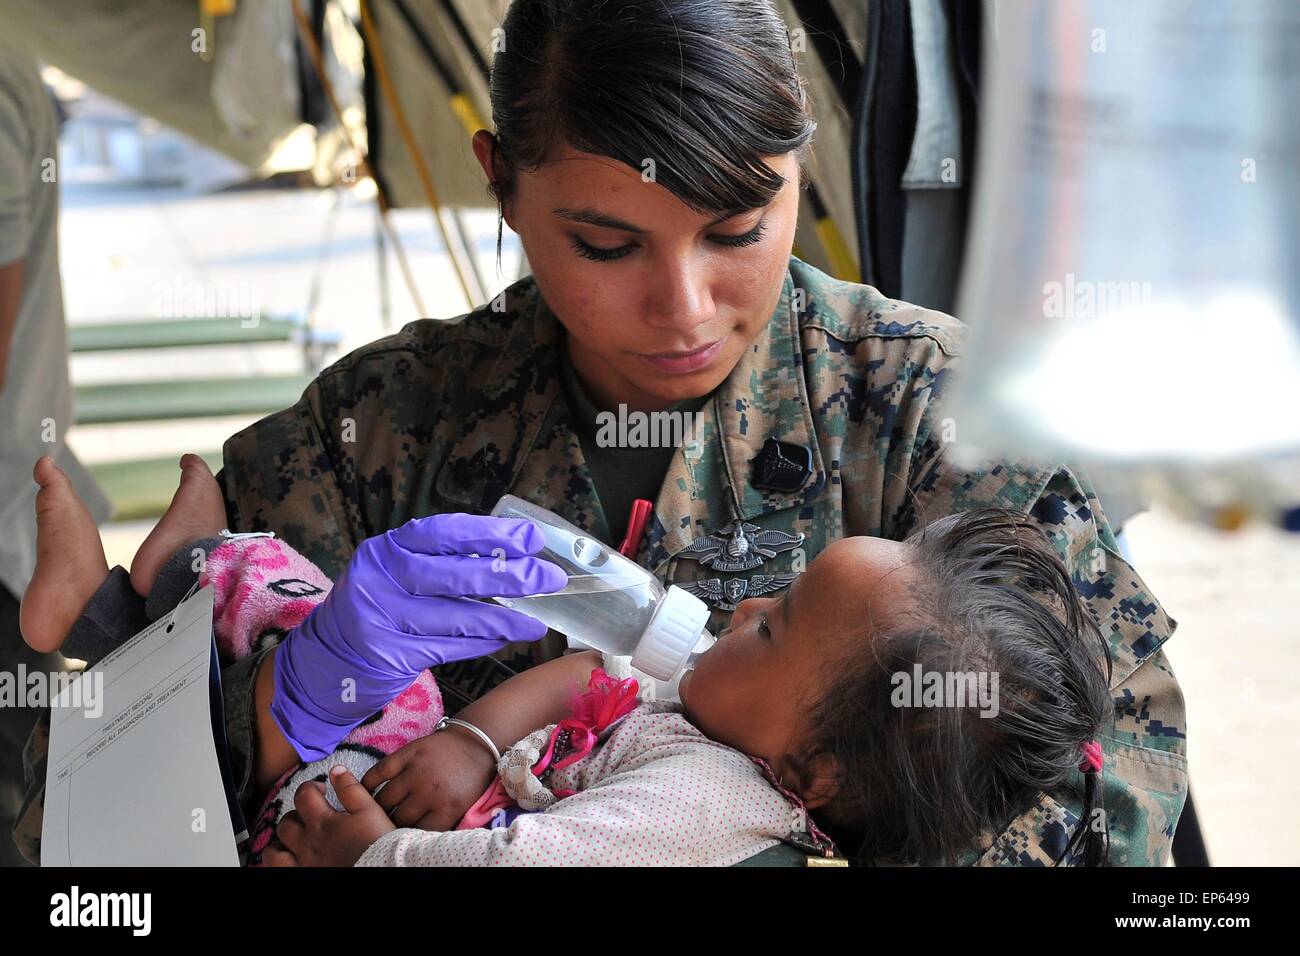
(501, 421)
(766, 396)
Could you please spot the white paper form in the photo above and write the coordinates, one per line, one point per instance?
(140, 784)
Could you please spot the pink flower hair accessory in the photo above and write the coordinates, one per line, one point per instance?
(1091, 752)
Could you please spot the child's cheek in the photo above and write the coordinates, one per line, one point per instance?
(727, 668)
(701, 690)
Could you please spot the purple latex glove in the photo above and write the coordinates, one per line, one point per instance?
(405, 602)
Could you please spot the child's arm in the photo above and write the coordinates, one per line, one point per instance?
(537, 697)
(507, 713)
(434, 780)
(272, 751)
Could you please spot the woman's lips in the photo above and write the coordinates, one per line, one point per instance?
(681, 363)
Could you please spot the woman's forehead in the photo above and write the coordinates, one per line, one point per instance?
(577, 181)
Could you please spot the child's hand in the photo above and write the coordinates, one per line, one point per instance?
(432, 780)
(318, 835)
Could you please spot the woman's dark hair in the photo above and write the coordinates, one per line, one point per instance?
(926, 784)
(704, 88)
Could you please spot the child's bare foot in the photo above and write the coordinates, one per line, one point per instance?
(70, 563)
(197, 511)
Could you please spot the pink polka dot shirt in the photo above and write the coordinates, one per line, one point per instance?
(656, 792)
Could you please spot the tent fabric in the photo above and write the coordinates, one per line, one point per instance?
(140, 53)
(244, 101)
(255, 79)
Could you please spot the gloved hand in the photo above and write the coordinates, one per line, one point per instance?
(405, 602)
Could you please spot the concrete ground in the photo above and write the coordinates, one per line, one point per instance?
(1236, 597)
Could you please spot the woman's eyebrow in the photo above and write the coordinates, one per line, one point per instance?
(593, 217)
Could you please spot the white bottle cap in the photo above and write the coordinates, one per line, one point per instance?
(671, 634)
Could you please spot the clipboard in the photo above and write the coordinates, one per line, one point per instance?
(142, 777)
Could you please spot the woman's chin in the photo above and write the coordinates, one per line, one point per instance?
(659, 392)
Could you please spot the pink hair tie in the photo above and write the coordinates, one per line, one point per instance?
(1091, 751)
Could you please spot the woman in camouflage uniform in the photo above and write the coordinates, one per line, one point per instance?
(649, 156)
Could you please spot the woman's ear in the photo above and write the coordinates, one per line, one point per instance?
(488, 154)
(484, 145)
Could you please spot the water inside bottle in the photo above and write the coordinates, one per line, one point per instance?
(608, 611)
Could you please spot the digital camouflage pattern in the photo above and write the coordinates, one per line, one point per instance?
(449, 415)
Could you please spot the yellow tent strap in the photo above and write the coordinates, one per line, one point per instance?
(465, 111)
(412, 148)
(318, 63)
(209, 10)
(837, 250)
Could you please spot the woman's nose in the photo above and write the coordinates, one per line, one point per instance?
(682, 301)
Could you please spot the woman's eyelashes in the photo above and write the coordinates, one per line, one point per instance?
(745, 239)
(599, 254)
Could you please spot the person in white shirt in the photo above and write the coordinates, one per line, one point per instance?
(35, 393)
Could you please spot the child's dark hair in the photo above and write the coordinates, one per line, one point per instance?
(927, 784)
(705, 88)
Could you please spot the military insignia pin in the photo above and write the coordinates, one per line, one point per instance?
(782, 466)
(739, 547)
(725, 595)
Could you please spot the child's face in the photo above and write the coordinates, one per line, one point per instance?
(753, 689)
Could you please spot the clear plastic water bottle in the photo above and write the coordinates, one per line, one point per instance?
(610, 603)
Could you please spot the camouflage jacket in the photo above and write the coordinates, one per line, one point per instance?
(448, 415)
